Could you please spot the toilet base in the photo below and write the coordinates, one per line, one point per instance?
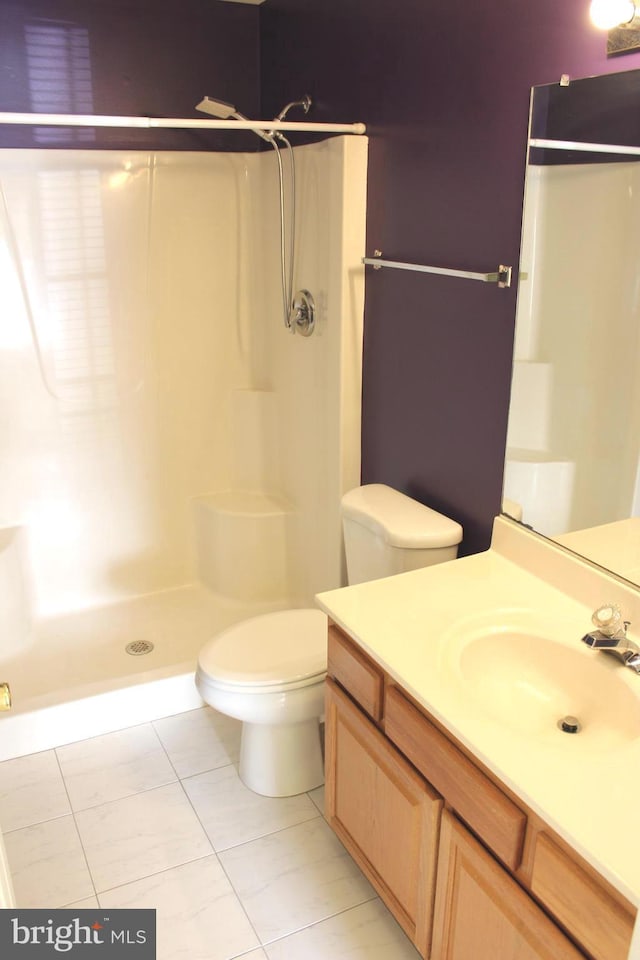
(281, 760)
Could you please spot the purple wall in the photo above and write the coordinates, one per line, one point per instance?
(445, 95)
(153, 58)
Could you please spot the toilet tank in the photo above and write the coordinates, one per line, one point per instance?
(386, 532)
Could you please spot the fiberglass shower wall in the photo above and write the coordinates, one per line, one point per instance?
(317, 381)
(145, 283)
(105, 445)
(577, 349)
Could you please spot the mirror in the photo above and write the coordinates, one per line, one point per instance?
(572, 469)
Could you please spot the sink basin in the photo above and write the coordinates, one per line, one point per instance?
(529, 683)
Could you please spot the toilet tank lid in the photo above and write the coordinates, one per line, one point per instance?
(399, 520)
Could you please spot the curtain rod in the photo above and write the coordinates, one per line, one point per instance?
(88, 120)
(584, 146)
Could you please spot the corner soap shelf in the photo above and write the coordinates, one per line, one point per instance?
(242, 539)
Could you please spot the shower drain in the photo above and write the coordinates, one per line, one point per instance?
(138, 648)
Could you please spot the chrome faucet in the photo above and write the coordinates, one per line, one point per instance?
(611, 636)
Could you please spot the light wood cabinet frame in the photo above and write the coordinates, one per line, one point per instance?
(581, 903)
(386, 815)
(361, 678)
(481, 913)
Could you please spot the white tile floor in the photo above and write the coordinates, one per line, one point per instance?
(156, 816)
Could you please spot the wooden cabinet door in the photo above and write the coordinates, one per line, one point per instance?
(481, 913)
(386, 815)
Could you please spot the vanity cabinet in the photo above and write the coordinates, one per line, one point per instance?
(465, 868)
(481, 913)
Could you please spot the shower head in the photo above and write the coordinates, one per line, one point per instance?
(305, 103)
(217, 108)
(226, 111)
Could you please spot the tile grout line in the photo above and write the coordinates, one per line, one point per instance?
(126, 797)
(72, 812)
(36, 823)
(95, 736)
(228, 878)
(233, 764)
(188, 776)
(263, 944)
(316, 815)
(156, 873)
(271, 833)
(315, 923)
(152, 724)
(75, 823)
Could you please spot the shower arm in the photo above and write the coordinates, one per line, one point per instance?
(305, 103)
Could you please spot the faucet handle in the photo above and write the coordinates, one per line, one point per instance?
(608, 619)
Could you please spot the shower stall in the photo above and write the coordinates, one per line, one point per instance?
(173, 459)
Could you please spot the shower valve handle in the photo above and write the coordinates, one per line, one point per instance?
(302, 316)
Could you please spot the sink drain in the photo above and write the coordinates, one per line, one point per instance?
(138, 648)
(569, 724)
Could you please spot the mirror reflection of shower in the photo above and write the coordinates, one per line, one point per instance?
(298, 312)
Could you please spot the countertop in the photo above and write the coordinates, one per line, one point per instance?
(417, 625)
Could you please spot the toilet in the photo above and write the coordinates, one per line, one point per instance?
(269, 671)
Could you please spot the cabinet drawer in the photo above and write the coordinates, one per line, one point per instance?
(580, 902)
(482, 805)
(355, 673)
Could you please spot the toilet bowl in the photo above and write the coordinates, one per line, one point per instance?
(269, 671)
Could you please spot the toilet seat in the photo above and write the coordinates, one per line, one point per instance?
(282, 650)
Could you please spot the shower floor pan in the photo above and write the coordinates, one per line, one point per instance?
(76, 679)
